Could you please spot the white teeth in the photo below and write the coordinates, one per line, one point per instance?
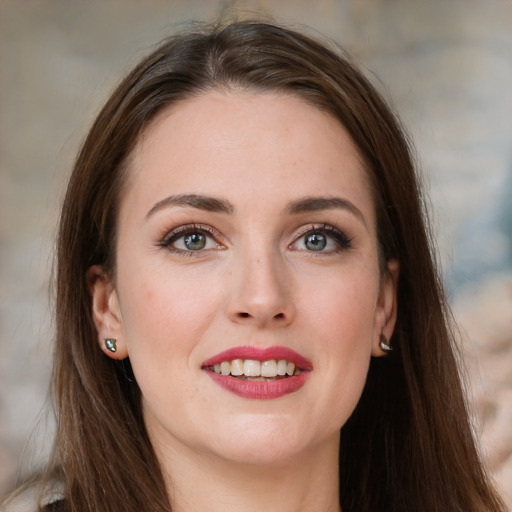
(252, 368)
(225, 368)
(237, 367)
(269, 368)
(281, 367)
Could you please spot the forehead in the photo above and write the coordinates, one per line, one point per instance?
(272, 144)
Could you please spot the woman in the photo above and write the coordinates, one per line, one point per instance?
(244, 272)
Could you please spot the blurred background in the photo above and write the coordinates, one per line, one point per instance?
(446, 64)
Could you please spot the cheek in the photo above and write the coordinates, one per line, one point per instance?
(161, 326)
(343, 304)
(341, 321)
(165, 314)
(169, 313)
(345, 331)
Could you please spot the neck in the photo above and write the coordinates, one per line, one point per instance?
(198, 482)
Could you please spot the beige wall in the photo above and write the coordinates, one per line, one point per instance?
(448, 66)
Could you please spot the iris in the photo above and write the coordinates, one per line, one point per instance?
(316, 241)
(195, 241)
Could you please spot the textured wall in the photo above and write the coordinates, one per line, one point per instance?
(448, 67)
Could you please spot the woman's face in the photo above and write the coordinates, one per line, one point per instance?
(247, 251)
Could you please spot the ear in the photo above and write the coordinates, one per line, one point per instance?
(106, 313)
(385, 316)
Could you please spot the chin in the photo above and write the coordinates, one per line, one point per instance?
(263, 441)
(258, 452)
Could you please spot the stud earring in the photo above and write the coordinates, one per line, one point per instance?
(384, 344)
(111, 344)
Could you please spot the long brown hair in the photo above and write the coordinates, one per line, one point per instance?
(408, 446)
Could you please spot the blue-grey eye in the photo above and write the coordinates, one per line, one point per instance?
(315, 241)
(194, 241)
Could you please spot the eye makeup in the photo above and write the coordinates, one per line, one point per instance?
(321, 239)
(191, 239)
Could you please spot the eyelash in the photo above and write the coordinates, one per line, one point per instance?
(189, 229)
(342, 241)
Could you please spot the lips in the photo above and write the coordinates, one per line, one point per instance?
(251, 372)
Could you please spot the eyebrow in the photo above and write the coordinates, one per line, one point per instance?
(213, 204)
(314, 204)
(209, 204)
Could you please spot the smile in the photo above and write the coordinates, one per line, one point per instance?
(256, 373)
(250, 369)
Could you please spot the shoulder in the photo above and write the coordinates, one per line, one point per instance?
(25, 501)
(28, 501)
(55, 506)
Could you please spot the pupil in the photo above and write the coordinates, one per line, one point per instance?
(195, 241)
(316, 242)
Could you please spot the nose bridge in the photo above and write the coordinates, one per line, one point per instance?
(261, 291)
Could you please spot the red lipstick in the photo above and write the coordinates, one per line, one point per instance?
(261, 354)
(264, 388)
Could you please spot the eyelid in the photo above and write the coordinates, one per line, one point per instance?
(340, 237)
(174, 234)
(316, 226)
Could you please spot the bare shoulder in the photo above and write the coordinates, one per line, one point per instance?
(25, 501)
(28, 501)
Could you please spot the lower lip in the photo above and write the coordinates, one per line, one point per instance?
(260, 389)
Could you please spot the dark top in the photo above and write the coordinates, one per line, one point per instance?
(56, 506)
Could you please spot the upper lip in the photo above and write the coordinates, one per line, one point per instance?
(260, 354)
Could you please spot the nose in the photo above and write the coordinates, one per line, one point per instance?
(261, 292)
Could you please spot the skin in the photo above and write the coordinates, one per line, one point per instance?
(257, 283)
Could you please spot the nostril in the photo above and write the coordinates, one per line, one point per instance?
(279, 316)
(244, 315)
